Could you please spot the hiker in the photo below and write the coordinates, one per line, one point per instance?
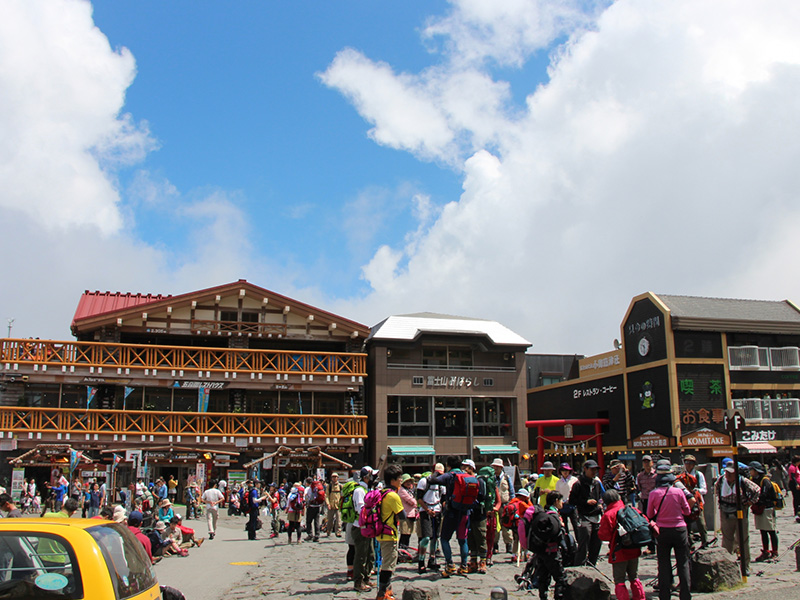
(406, 493)
(765, 518)
(668, 507)
(586, 496)
(619, 478)
(364, 555)
(391, 512)
(725, 491)
(545, 483)
(544, 534)
(315, 498)
(794, 483)
(333, 502)
(429, 496)
(510, 517)
(483, 524)
(646, 482)
(506, 487)
(349, 517)
(462, 492)
(564, 487)
(295, 504)
(698, 515)
(624, 561)
(476, 527)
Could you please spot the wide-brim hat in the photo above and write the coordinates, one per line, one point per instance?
(548, 465)
(565, 467)
(524, 493)
(405, 477)
(647, 457)
(164, 503)
(690, 458)
(590, 464)
(664, 467)
(160, 526)
(119, 514)
(498, 462)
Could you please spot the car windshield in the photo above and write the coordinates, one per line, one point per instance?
(128, 565)
(38, 566)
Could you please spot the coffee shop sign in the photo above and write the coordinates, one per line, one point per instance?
(452, 381)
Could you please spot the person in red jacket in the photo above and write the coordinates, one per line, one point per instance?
(624, 561)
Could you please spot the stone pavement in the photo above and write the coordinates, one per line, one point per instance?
(316, 571)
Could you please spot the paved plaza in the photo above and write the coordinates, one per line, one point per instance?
(233, 568)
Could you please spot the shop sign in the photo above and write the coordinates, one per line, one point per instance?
(336, 448)
(764, 435)
(282, 462)
(53, 451)
(133, 455)
(17, 481)
(86, 474)
(626, 456)
(8, 445)
(706, 437)
(196, 385)
(451, 381)
(650, 439)
(106, 380)
(718, 452)
(600, 363)
(283, 386)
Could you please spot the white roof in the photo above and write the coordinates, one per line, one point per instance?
(409, 327)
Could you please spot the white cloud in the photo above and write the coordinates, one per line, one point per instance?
(659, 156)
(62, 89)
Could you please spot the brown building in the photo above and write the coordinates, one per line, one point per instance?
(217, 376)
(442, 385)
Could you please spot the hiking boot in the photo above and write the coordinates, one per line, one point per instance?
(200, 541)
(773, 555)
(481, 570)
(464, 570)
(421, 568)
(387, 595)
(449, 570)
(765, 555)
(433, 565)
(362, 587)
(473, 566)
(508, 548)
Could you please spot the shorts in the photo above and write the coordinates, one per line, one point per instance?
(388, 555)
(429, 525)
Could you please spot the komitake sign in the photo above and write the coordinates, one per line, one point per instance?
(705, 437)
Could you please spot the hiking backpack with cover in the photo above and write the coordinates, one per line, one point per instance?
(780, 503)
(369, 520)
(466, 489)
(543, 531)
(317, 493)
(296, 500)
(348, 509)
(509, 516)
(633, 528)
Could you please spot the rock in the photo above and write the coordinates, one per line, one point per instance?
(714, 569)
(586, 583)
(415, 592)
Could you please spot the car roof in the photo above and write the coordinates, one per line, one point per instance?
(48, 523)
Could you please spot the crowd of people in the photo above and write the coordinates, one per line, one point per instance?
(546, 522)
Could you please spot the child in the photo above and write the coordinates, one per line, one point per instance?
(391, 512)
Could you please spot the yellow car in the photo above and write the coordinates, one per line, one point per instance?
(73, 559)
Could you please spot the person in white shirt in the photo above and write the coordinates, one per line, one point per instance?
(429, 497)
(564, 487)
(212, 497)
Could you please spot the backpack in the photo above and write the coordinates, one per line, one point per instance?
(491, 487)
(633, 528)
(780, 503)
(509, 516)
(543, 531)
(297, 500)
(317, 493)
(369, 521)
(466, 489)
(348, 509)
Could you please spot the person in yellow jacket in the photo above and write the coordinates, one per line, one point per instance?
(546, 483)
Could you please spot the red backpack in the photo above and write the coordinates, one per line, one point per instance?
(509, 516)
(317, 493)
(466, 489)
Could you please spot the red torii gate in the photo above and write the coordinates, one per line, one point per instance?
(540, 425)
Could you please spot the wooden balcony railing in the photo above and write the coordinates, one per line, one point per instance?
(78, 421)
(132, 356)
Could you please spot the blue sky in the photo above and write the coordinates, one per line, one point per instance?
(535, 162)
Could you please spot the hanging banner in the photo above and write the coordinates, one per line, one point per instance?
(128, 391)
(115, 462)
(90, 393)
(74, 459)
(17, 482)
(203, 394)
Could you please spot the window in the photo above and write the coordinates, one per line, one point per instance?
(249, 317)
(409, 416)
(459, 356)
(125, 558)
(434, 356)
(490, 416)
(549, 379)
(26, 558)
(488, 382)
(417, 380)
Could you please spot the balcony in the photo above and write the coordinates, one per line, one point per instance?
(149, 359)
(766, 409)
(234, 430)
(756, 358)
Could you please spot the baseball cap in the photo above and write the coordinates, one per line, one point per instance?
(468, 463)
(523, 492)
(647, 457)
(438, 467)
(135, 518)
(615, 463)
(366, 471)
(730, 469)
(590, 464)
(689, 458)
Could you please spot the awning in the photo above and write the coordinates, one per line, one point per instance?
(497, 449)
(412, 450)
(759, 447)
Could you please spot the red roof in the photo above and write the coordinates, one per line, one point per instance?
(96, 303)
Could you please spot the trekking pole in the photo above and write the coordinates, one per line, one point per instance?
(599, 571)
(794, 546)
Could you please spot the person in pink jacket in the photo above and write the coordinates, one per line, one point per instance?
(668, 507)
(624, 561)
